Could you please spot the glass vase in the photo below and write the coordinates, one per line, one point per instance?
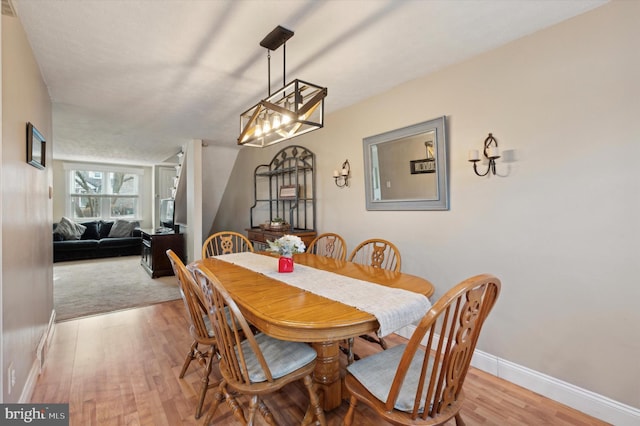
(285, 264)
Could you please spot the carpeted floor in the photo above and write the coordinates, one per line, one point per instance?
(88, 287)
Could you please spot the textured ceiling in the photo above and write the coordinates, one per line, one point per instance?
(133, 80)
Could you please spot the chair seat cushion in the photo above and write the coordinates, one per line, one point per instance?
(281, 356)
(207, 323)
(376, 373)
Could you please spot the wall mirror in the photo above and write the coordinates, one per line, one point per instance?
(36, 147)
(406, 169)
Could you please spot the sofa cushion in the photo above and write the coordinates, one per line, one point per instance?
(119, 242)
(75, 245)
(69, 229)
(121, 229)
(105, 228)
(92, 232)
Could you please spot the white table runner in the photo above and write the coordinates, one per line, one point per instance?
(393, 308)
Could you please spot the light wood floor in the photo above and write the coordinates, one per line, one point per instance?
(122, 369)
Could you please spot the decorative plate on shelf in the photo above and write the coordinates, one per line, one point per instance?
(278, 227)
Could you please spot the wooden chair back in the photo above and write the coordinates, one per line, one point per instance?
(328, 245)
(450, 329)
(200, 333)
(378, 253)
(190, 293)
(241, 357)
(231, 328)
(225, 242)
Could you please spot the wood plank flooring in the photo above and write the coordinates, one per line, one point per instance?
(122, 369)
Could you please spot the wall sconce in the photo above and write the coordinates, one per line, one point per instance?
(342, 177)
(490, 152)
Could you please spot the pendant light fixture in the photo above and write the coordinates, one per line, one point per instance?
(295, 109)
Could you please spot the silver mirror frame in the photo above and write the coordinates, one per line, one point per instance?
(441, 202)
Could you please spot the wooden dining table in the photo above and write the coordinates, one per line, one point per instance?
(290, 313)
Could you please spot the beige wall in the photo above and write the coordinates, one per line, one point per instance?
(223, 158)
(27, 279)
(559, 226)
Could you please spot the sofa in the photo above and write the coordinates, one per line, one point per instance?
(95, 239)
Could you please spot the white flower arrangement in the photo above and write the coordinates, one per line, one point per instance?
(287, 245)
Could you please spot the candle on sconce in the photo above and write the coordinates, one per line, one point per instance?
(474, 155)
(335, 174)
(493, 152)
(345, 172)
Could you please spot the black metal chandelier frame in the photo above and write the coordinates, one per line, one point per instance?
(294, 109)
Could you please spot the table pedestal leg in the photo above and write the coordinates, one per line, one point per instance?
(327, 374)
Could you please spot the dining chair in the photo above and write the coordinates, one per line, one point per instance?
(199, 326)
(329, 245)
(225, 242)
(378, 253)
(422, 385)
(251, 364)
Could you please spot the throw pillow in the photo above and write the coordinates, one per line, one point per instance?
(105, 228)
(121, 229)
(69, 229)
(91, 233)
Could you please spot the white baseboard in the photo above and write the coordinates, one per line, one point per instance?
(30, 384)
(588, 402)
(39, 361)
(45, 341)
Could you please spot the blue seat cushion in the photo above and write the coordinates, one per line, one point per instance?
(376, 373)
(281, 356)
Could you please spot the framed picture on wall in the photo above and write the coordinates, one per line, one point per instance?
(35, 147)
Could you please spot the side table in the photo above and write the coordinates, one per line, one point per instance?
(154, 251)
